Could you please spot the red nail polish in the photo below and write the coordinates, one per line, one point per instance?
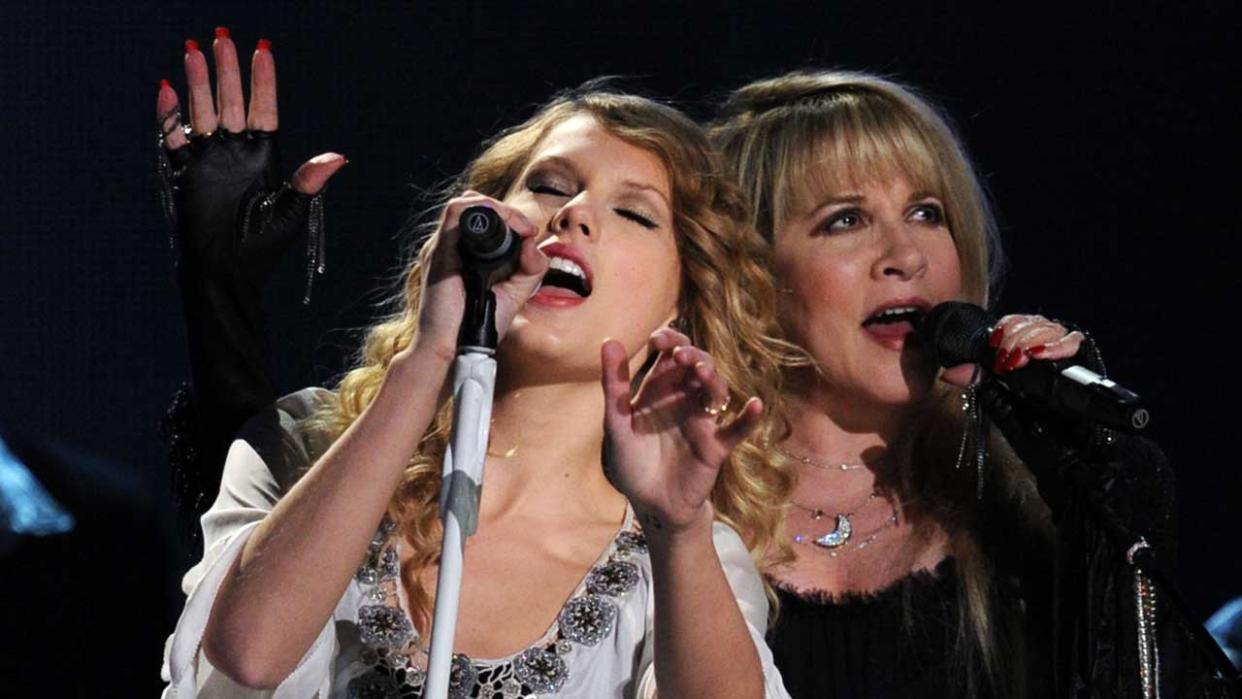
(191, 45)
(165, 84)
(264, 45)
(1037, 350)
(222, 33)
(1015, 358)
(998, 367)
(997, 335)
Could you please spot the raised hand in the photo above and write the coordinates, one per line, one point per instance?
(223, 177)
(232, 221)
(666, 445)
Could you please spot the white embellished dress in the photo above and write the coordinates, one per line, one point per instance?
(599, 646)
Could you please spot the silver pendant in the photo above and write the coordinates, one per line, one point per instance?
(837, 537)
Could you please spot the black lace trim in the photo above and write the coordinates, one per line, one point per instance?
(942, 578)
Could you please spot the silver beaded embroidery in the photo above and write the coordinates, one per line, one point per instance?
(588, 619)
(386, 627)
(381, 564)
(463, 678)
(614, 578)
(388, 636)
(542, 670)
(629, 543)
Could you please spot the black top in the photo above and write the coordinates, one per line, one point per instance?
(862, 645)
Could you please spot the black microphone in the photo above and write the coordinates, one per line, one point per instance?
(957, 333)
(486, 243)
(489, 254)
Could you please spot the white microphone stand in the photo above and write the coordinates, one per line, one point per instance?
(474, 380)
(489, 254)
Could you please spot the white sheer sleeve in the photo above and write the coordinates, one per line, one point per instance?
(748, 590)
(262, 464)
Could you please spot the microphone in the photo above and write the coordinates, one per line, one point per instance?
(957, 333)
(489, 254)
(487, 244)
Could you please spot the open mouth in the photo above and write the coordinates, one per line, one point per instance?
(565, 276)
(895, 315)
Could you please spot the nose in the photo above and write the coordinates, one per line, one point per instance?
(575, 215)
(901, 255)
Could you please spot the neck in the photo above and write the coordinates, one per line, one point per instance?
(830, 429)
(544, 453)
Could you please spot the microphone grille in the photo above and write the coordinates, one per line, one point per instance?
(953, 330)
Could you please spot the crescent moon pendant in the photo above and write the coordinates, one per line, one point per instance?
(837, 537)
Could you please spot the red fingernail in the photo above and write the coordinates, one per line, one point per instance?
(998, 366)
(191, 45)
(1037, 349)
(1015, 358)
(997, 335)
(264, 45)
(165, 84)
(222, 33)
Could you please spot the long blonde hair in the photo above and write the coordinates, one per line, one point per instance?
(825, 131)
(726, 306)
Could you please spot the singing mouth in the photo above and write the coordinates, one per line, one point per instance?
(908, 310)
(568, 273)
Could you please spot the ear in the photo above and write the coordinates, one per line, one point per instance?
(676, 321)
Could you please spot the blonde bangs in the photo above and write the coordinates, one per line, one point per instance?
(853, 143)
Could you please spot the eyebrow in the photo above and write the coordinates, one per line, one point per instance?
(631, 184)
(832, 201)
(643, 186)
(858, 198)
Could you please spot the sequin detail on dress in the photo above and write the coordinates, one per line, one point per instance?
(390, 641)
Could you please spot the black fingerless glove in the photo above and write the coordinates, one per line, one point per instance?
(232, 220)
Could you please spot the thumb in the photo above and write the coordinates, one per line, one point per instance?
(615, 377)
(311, 177)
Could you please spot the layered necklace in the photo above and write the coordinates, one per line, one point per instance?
(834, 541)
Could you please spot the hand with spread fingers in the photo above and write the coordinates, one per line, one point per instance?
(224, 192)
(232, 218)
(666, 444)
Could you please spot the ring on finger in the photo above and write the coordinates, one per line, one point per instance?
(711, 408)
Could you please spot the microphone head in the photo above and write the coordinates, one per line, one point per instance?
(483, 233)
(956, 333)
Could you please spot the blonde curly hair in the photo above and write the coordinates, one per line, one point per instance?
(726, 306)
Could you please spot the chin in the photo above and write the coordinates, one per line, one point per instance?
(903, 389)
(548, 357)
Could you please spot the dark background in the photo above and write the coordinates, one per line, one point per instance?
(1107, 137)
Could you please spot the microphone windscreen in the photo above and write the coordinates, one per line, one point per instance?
(955, 331)
(483, 233)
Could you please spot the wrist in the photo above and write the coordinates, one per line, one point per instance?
(421, 361)
(662, 532)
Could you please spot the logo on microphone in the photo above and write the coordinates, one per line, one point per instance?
(1140, 418)
(477, 223)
